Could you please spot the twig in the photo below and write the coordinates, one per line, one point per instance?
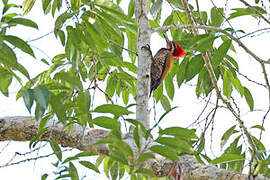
(165, 28)
(255, 82)
(258, 30)
(214, 79)
(118, 45)
(255, 10)
(31, 159)
(106, 94)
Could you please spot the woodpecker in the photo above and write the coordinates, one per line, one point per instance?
(162, 62)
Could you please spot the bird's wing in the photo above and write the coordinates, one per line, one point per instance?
(158, 67)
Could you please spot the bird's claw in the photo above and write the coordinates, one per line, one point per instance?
(146, 47)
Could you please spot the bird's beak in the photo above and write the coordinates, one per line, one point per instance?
(165, 37)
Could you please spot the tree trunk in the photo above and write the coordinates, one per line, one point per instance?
(144, 63)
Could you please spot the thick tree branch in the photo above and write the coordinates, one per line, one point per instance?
(23, 128)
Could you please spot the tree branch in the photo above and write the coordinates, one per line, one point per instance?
(28, 127)
(255, 10)
(165, 28)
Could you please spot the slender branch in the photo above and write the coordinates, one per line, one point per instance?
(253, 32)
(118, 45)
(214, 81)
(31, 159)
(255, 10)
(165, 28)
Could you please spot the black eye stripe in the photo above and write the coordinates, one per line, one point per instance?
(174, 47)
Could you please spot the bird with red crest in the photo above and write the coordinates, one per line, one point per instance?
(162, 62)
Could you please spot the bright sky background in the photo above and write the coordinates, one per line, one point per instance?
(189, 106)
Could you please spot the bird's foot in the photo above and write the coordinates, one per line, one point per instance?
(147, 47)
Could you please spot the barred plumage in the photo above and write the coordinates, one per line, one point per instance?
(162, 62)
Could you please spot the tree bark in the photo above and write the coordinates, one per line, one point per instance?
(144, 63)
(24, 128)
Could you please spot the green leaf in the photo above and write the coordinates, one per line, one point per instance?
(249, 98)
(44, 176)
(156, 7)
(89, 165)
(165, 103)
(246, 11)
(81, 154)
(84, 101)
(73, 172)
(145, 172)
(70, 78)
(232, 61)
(58, 108)
(221, 52)
(123, 147)
(130, 9)
(180, 132)
(42, 96)
(237, 84)
(62, 19)
(28, 98)
(169, 86)
(39, 112)
(194, 67)
(27, 6)
(125, 96)
(111, 86)
(137, 136)
(145, 156)
(227, 83)
(118, 156)
(56, 149)
(181, 72)
(7, 56)
(225, 158)
(5, 79)
(259, 145)
(205, 43)
(19, 43)
(165, 151)
(201, 146)
(217, 16)
(158, 93)
(258, 127)
(22, 70)
(106, 122)
(24, 21)
(61, 35)
(227, 135)
(54, 5)
(113, 109)
(45, 5)
(176, 143)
